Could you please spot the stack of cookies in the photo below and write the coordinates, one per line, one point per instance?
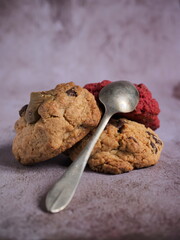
(63, 120)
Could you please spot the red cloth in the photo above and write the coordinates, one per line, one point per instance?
(146, 111)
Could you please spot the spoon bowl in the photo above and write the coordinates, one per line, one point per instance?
(120, 96)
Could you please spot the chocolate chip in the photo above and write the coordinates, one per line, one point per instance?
(149, 133)
(120, 130)
(118, 123)
(154, 137)
(157, 140)
(36, 99)
(133, 139)
(154, 147)
(71, 92)
(22, 110)
(32, 116)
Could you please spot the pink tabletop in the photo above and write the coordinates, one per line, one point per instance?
(43, 43)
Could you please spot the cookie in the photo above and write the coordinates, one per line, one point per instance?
(54, 121)
(146, 111)
(123, 146)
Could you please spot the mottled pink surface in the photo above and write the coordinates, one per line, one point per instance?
(43, 43)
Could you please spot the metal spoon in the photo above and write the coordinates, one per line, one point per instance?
(120, 96)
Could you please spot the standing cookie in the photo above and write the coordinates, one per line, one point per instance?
(53, 122)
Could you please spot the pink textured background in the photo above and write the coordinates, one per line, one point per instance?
(43, 43)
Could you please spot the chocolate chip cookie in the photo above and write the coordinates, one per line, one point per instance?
(54, 121)
(123, 146)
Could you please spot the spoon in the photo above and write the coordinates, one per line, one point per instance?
(120, 96)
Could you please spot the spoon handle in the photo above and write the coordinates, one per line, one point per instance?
(62, 192)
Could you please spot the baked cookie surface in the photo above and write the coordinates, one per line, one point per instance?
(54, 122)
(123, 146)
